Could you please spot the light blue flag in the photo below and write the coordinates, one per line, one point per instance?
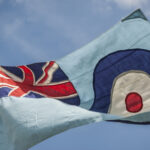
(108, 79)
(111, 73)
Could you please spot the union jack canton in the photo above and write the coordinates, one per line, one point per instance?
(37, 80)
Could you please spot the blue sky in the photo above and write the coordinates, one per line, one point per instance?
(43, 30)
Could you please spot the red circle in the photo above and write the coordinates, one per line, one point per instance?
(134, 102)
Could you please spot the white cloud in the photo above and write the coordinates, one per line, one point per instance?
(19, 1)
(127, 4)
(100, 6)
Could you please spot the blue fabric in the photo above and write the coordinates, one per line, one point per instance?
(33, 95)
(25, 122)
(131, 34)
(59, 76)
(4, 91)
(110, 67)
(136, 14)
(14, 70)
(37, 69)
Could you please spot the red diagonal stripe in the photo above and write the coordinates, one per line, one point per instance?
(28, 75)
(18, 92)
(64, 89)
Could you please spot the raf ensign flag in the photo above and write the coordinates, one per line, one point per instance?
(108, 79)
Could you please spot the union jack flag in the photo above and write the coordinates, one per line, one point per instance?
(37, 80)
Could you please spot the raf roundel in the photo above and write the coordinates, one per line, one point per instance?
(121, 83)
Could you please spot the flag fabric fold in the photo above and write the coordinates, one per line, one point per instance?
(108, 79)
(27, 121)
